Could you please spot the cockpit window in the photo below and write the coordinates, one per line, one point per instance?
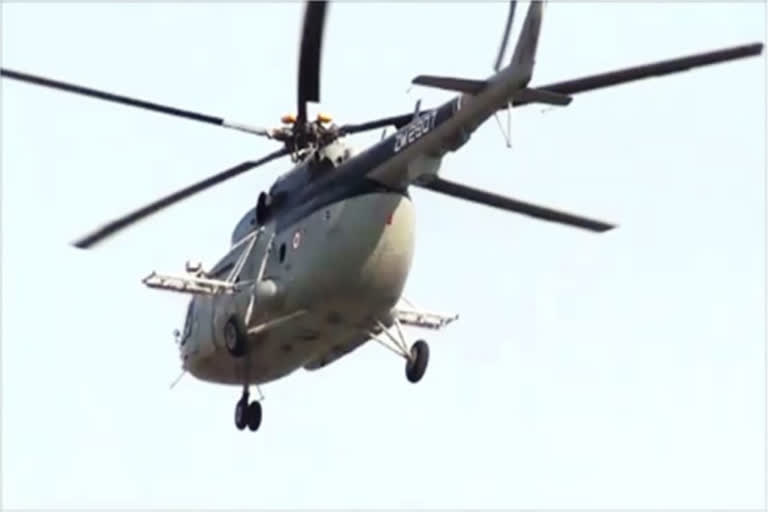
(187, 323)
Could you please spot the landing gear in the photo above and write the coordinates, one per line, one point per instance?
(417, 363)
(241, 413)
(416, 358)
(247, 415)
(234, 336)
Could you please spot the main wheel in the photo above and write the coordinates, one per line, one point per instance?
(241, 413)
(254, 416)
(417, 363)
(234, 336)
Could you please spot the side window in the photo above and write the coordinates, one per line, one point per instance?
(188, 323)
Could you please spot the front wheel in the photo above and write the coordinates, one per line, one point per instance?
(234, 336)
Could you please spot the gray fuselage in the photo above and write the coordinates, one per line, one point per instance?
(345, 264)
(347, 234)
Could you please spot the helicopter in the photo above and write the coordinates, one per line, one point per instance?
(317, 268)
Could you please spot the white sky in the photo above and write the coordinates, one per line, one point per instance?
(617, 370)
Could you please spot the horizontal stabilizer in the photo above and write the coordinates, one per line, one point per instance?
(513, 205)
(529, 95)
(465, 85)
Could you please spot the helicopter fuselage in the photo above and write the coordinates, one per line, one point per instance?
(345, 264)
(343, 245)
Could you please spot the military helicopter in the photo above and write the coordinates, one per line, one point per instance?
(317, 268)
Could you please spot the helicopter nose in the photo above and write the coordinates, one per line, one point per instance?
(186, 350)
(189, 358)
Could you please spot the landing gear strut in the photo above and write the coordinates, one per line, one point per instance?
(416, 358)
(246, 414)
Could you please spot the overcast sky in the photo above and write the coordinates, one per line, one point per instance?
(618, 370)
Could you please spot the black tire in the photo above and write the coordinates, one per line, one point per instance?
(234, 336)
(417, 364)
(241, 414)
(254, 416)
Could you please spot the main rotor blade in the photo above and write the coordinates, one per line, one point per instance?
(126, 100)
(122, 222)
(659, 68)
(396, 121)
(513, 205)
(309, 58)
(505, 37)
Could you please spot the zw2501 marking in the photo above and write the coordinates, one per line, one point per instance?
(415, 130)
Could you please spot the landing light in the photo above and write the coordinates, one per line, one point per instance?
(323, 118)
(288, 119)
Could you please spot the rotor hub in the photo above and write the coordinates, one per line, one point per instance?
(298, 135)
